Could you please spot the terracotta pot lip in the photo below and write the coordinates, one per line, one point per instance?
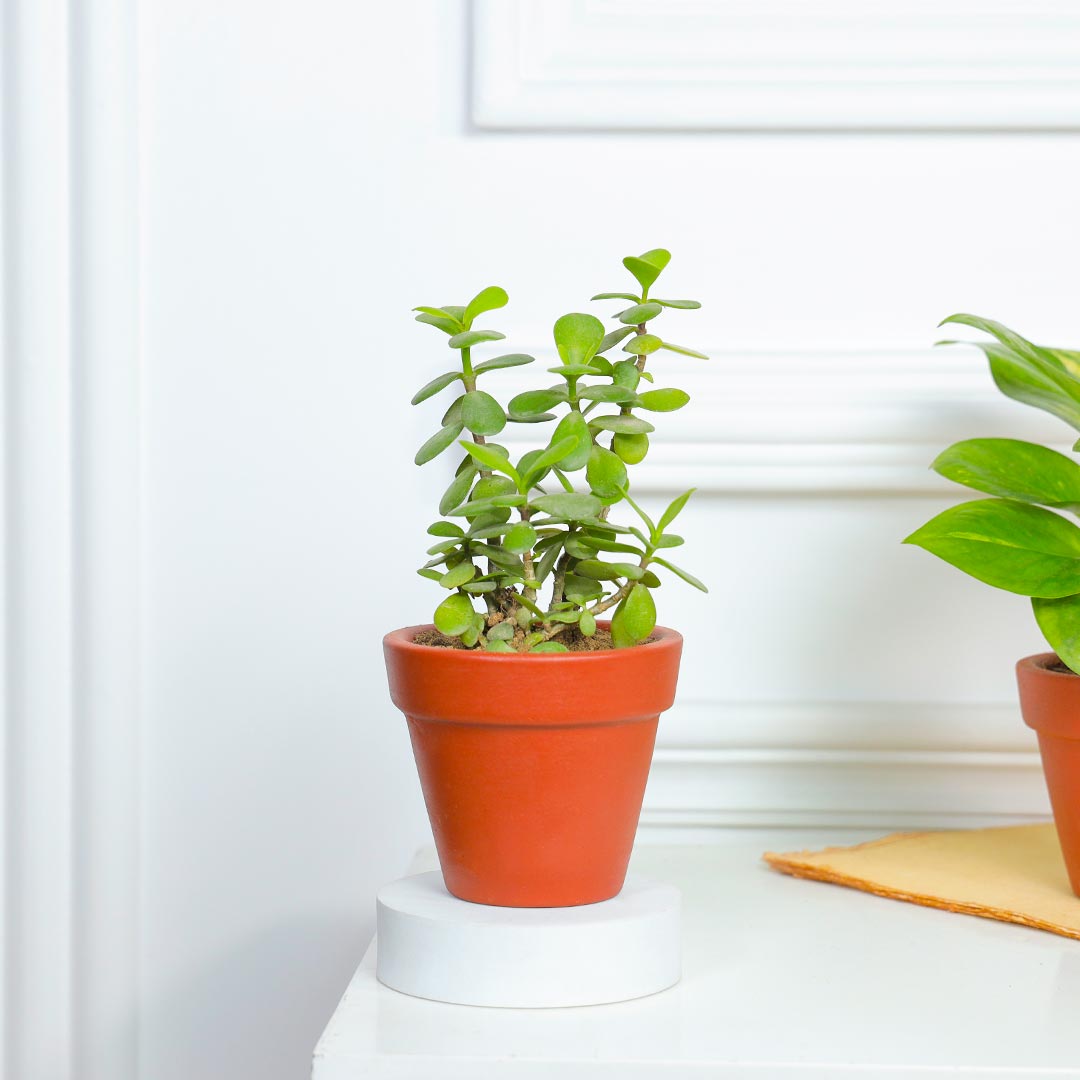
(1042, 663)
(402, 639)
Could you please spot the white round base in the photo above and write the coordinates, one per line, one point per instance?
(432, 945)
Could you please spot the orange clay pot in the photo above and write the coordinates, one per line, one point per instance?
(1050, 701)
(533, 767)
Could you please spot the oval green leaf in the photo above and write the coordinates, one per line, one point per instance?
(642, 344)
(573, 506)
(486, 300)
(458, 575)
(482, 414)
(534, 402)
(474, 337)
(626, 425)
(454, 615)
(577, 337)
(520, 538)
(437, 443)
(509, 360)
(684, 574)
(631, 448)
(430, 389)
(573, 426)
(682, 350)
(639, 313)
(666, 400)
(605, 473)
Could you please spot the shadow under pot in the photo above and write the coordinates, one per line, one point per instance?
(1050, 703)
(533, 767)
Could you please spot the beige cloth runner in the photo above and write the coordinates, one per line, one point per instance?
(1013, 874)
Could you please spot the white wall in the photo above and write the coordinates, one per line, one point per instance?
(306, 173)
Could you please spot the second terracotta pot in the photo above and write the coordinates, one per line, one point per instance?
(1050, 702)
(533, 767)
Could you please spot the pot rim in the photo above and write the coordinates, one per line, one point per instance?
(1041, 663)
(402, 638)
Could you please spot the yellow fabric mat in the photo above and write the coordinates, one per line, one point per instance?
(1014, 874)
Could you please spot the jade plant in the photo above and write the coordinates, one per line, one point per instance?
(1018, 540)
(527, 550)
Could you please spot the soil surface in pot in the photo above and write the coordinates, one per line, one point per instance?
(572, 638)
(1061, 668)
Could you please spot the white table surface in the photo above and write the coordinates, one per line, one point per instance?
(781, 977)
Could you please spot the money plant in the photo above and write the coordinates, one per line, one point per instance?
(1020, 540)
(528, 551)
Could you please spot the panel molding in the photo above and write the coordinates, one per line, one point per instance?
(787, 420)
(744, 65)
(71, 542)
(722, 764)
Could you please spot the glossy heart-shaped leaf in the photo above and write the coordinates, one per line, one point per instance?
(1013, 469)
(1044, 378)
(1010, 545)
(1059, 620)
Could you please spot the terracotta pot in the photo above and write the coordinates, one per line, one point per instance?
(533, 767)
(1050, 702)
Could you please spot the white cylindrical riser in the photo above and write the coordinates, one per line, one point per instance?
(432, 945)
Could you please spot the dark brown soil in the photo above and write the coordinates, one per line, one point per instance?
(571, 637)
(1060, 667)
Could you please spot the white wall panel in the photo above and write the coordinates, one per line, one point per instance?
(777, 64)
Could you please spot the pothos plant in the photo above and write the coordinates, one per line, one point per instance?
(1017, 540)
(510, 529)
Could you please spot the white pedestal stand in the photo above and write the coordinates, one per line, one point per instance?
(432, 945)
